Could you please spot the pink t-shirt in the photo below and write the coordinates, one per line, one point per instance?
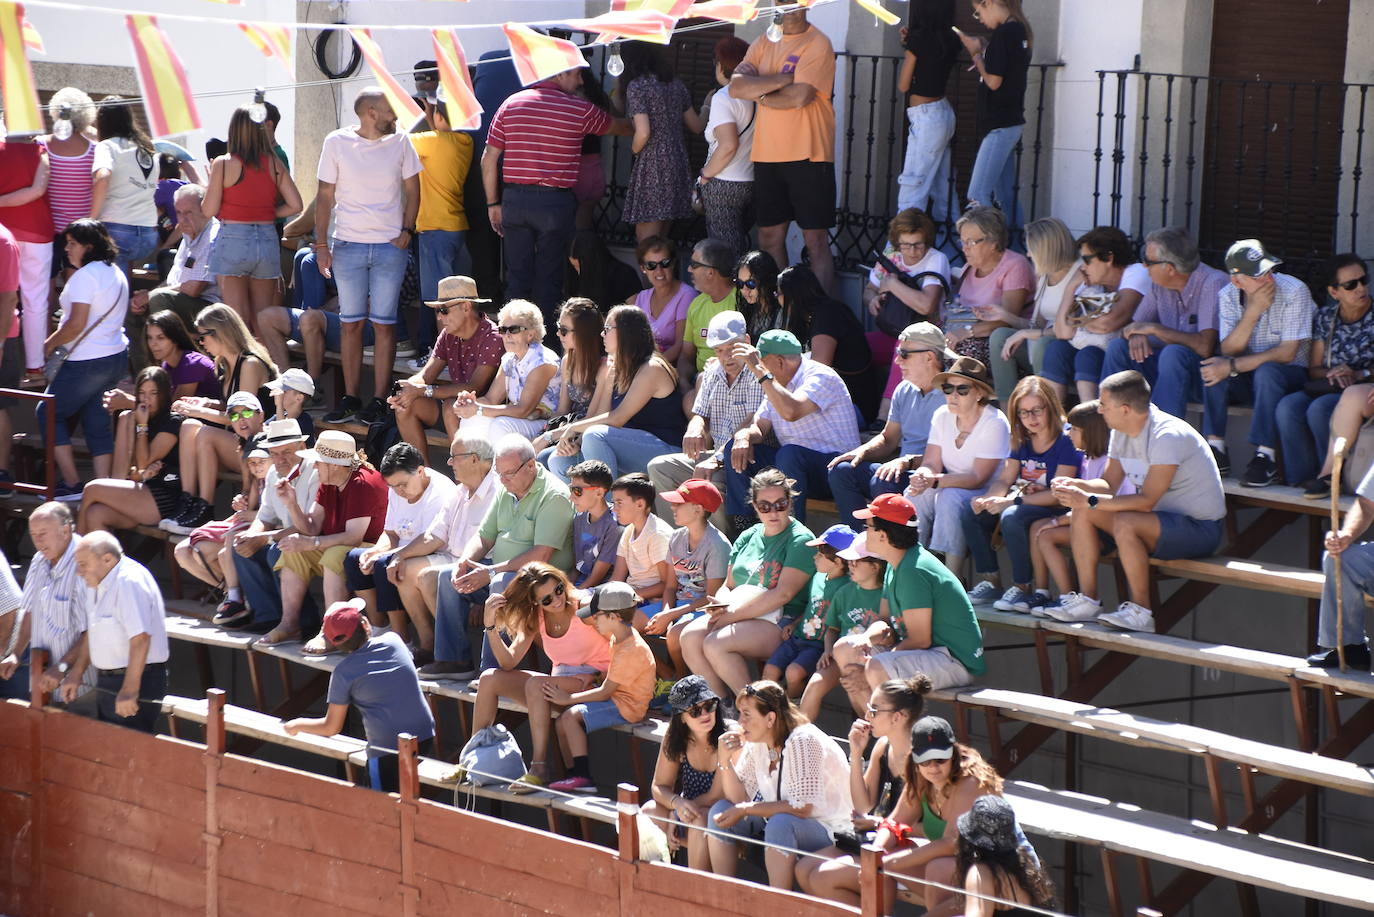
(1013, 272)
(665, 325)
(579, 645)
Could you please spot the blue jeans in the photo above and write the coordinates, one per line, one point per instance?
(369, 277)
(79, 391)
(134, 244)
(1304, 430)
(805, 466)
(1357, 578)
(538, 226)
(1016, 524)
(333, 331)
(854, 485)
(783, 829)
(388, 598)
(993, 181)
(439, 252)
(261, 588)
(1264, 388)
(1172, 371)
(247, 250)
(1067, 364)
(312, 288)
(623, 449)
(451, 642)
(17, 685)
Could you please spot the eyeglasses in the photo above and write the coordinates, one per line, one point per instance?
(1350, 285)
(912, 246)
(696, 264)
(655, 265)
(956, 389)
(763, 506)
(701, 709)
(750, 284)
(562, 331)
(202, 334)
(244, 414)
(578, 490)
(547, 600)
(457, 456)
(509, 329)
(969, 243)
(1030, 412)
(507, 475)
(1150, 262)
(874, 711)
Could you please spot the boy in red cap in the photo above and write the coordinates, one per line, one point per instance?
(698, 559)
(377, 674)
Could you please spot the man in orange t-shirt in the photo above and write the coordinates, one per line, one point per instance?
(792, 81)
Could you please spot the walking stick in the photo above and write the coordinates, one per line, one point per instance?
(1337, 460)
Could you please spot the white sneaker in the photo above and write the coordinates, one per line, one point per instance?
(1130, 616)
(1073, 606)
(984, 593)
(1014, 599)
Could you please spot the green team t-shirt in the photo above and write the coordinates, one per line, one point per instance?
(854, 608)
(820, 593)
(758, 560)
(921, 581)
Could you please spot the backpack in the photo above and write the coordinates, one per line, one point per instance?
(381, 436)
(490, 758)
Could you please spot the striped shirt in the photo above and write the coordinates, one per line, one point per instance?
(540, 132)
(56, 598)
(69, 187)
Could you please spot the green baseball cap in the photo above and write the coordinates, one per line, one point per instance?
(780, 343)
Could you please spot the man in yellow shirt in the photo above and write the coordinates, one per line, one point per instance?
(446, 156)
(713, 274)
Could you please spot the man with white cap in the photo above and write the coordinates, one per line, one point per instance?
(255, 548)
(291, 391)
(726, 400)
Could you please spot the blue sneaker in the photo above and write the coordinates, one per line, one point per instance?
(68, 493)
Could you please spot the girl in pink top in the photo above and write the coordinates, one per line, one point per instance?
(667, 299)
(538, 604)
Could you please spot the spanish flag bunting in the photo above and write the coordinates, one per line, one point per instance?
(879, 12)
(273, 41)
(538, 57)
(401, 102)
(17, 92)
(462, 109)
(32, 40)
(166, 91)
(736, 11)
(675, 8)
(640, 25)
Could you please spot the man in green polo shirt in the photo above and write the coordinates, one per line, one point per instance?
(530, 519)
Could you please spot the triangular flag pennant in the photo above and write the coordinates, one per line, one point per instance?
(641, 25)
(736, 11)
(538, 57)
(17, 91)
(166, 91)
(462, 109)
(273, 41)
(879, 11)
(675, 8)
(32, 40)
(401, 102)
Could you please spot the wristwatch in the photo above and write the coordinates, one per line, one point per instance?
(1017, 501)
(1092, 500)
(1234, 372)
(429, 391)
(63, 667)
(766, 377)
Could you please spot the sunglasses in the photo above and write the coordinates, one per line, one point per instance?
(547, 600)
(655, 265)
(202, 335)
(578, 490)
(701, 709)
(903, 354)
(956, 389)
(750, 284)
(1090, 257)
(562, 331)
(509, 329)
(1350, 285)
(241, 415)
(697, 264)
(764, 506)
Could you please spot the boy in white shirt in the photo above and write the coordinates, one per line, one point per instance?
(642, 558)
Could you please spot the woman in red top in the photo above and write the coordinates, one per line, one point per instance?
(246, 186)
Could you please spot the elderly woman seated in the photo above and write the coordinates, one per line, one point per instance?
(524, 393)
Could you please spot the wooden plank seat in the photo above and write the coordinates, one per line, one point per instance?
(1242, 661)
(266, 728)
(1280, 496)
(359, 432)
(1247, 574)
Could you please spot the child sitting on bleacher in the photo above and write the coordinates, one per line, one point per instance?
(595, 533)
(642, 556)
(623, 697)
(291, 392)
(698, 558)
(806, 652)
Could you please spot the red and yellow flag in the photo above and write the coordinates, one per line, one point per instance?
(462, 109)
(641, 25)
(32, 40)
(16, 79)
(166, 91)
(401, 102)
(736, 11)
(675, 8)
(538, 57)
(273, 41)
(881, 13)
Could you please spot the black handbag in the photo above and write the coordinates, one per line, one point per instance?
(893, 314)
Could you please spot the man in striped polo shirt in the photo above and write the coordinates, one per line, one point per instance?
(534, 147)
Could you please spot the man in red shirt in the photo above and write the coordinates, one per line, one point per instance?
(24, 212)
(529, 168)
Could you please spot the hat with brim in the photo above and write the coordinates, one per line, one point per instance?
(333, 447)
(689, 692)
(295, 379)
(281, 432)
(893, 508)
(989, 825)
(858, 549)
(970, 370)
(837, 536)
(456, 289)
(609, 597)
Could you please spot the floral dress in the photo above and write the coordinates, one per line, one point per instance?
(659, 180)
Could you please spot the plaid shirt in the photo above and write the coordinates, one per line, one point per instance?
(727, 407)
(832, 429)
(1289, 318)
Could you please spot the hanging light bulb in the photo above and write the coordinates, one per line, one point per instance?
(774, 32)
(62, 127)
(4, 131)
(258, 110)
(614, 65)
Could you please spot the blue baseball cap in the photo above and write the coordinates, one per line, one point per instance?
(838, 537)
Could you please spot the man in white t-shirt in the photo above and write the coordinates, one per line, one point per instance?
(369, 178)
(1176, 510)
(418, 495)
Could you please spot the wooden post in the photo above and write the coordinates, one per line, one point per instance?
(214, 752)
(872, 883)
(38, 664)
(1338, 459)
(408, 748)
(627, 811)
(214, 721)
(410, 766)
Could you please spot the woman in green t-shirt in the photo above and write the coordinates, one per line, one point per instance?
(772, 555)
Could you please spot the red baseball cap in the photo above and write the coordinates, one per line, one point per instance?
(702, 493)
(342, 620)
(890, 508)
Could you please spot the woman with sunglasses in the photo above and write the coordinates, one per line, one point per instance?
(582, 370)
(522, 397)
(667, 299)
(875, 785)
(969, 440)
(685, 785)
(756, 285)
(148, 487)
(993, 289)
(784, 782)
(771, 557)
(539, 604)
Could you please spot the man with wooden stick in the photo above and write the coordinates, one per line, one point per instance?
(1349, 569)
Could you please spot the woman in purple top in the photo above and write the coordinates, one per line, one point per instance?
(667, 299)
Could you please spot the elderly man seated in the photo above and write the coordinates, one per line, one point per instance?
(190, 284)
(530, 519)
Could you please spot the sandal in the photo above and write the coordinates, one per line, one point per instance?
(316, 646)
(277, 636)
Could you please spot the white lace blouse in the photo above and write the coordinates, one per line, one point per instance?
(815, 772)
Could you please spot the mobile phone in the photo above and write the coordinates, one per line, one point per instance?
(395, 387)
(956, 30)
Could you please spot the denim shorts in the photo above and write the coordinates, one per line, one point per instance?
(134, 244)
(797, 651)
(369, 277)
(246, 250)
(599, 714)
(333, 330)
(1183, 536)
